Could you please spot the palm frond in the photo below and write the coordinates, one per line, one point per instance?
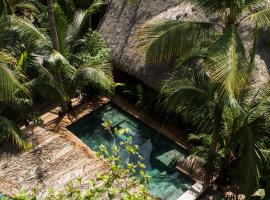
(211, 7)
(97, 76)
(254, 156)
(250, 5)
(191, 56)
(46, 86)
(7, 58)
(261, 18)
(95, 7)
(259, 103)
(172, 39)
(57, 63)
(62, 30)
(263, 152)
(9, 130)
(91, 49)
(228, 64)
(74, 30)
(27, 30)
(5, 8)
(9, 80)
(255, 37)
(29, 6)
(191, 93)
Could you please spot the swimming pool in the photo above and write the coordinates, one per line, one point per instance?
(157, 150)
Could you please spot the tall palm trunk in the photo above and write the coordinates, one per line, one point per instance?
(52, 24)
(55, 40)
(212, 153)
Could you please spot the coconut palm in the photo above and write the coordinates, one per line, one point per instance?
(166, 39)
(11, 90)
(240, 126)
(54, 35)
(223, 56)
(34, 64)
(83, 56)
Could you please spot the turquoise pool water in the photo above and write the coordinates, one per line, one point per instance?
(157, 151)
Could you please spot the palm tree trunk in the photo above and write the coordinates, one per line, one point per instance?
(55, 40)
(52, 24)
(210, 165)
(212, 153)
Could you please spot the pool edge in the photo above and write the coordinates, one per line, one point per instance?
(51, 117)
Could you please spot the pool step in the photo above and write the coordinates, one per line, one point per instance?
(193, 193)
(167, 157)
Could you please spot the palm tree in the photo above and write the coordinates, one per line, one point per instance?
(166, 39)
(220, 50)
(53, 30)
(11, 90)
(83, 58)
(32, 65)
(242, 127)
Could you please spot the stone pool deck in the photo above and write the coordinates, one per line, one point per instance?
(58, 156)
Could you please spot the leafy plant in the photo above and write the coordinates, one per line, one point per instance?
(213, 86)
(124, 179)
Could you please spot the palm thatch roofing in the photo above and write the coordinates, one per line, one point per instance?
(57, 157)
(123, 19)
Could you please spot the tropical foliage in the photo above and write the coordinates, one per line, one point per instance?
(124, 180)
(31, 66)
(213, 86)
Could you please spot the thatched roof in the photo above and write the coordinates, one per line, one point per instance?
(123, 19)
(57, 158)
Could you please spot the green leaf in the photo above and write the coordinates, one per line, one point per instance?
(261, 18)
(191, 93)
(99, 76)
(228, 64)
(9, 80)
(9, 130)
(167, 39)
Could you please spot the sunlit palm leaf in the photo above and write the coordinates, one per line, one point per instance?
(57, 63)
(95, 6)
(9, 80)
(227, 62)
(261, 18)
(97, 76)
(29, 6)
(74, 30)
(254, 4)
(9, 130)
(212, 6)
(7, 58)
(62, 29)
(27, 30)
(172, 39)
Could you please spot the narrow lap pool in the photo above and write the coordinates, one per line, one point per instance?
(158, 151)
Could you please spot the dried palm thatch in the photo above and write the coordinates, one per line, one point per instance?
(123, 20)
(57, 158)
